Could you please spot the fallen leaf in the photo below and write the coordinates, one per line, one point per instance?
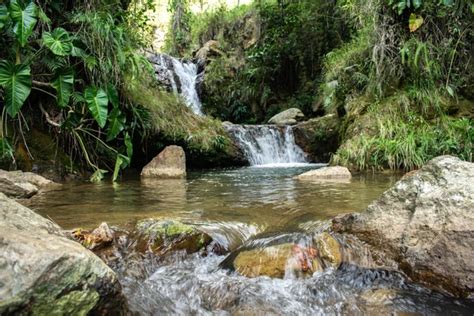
(415, 22)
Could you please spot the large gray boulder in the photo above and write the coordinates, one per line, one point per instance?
(426, 223)
(287, 117)
(43, 273)
(20, 184)
(169, 164)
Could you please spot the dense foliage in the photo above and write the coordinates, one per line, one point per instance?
(68, 60)
(399, 73)
(271, 56)
(404, 82)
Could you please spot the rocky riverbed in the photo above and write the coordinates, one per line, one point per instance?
(410, 251)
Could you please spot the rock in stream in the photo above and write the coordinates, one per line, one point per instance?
(41, 271)
(425, 223)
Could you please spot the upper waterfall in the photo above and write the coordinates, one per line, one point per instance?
(182, 76)
(267, 144)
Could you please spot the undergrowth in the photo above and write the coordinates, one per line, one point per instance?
(395, 136)
(168, 116)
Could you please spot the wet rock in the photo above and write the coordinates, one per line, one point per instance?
(379, 297)
(426, 223)
(286, 258)
(329, 248)
(335, 172)
(18, 184)
(42, 272)
(100, 237)
(274, 261)
(319, 137)
(210, 48)
(163, 236)
(287, 117)
(169, 164)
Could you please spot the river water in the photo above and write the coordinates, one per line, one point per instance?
(236, 206)
(268, 197)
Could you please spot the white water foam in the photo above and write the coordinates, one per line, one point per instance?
(187, 73)
(268, 145)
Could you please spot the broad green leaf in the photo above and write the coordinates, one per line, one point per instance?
(98, 175)
(63, 84)
(58, 41)
(116, 124)
(3, 15)
(401, 7)
(121, 162)
(118, 165)
(416, 4)
(16, 82)
(129, 145)
(6, 150)
(97, 102)
(448, 2)
(24, 17)
(78, 52)
(113, 96)
(415, 22)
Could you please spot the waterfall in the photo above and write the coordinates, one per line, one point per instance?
(267, 144)
(180, 76)
(261, 144)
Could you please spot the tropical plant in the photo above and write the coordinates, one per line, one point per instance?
(73, 57)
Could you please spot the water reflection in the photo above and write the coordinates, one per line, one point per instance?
(268, 197)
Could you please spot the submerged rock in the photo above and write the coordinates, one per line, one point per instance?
(162, 236)
(286, 258)
(18, 184)
(170, 163)
(42, 272)
(426, 223)
(287, 117)
(335, 172)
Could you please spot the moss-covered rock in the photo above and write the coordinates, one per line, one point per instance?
(162, 236)
(319, 137)
(171, 122)
(47, 157)
(44, 273)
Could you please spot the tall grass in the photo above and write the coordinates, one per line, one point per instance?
(401, 138)
(167, 116)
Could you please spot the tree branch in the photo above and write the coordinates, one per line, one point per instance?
(48, 118)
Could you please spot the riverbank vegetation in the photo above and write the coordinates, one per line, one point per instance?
(69, 71)
(75, 76)
(399, 73)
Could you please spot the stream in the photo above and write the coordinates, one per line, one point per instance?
(260, 208)
(235, 207)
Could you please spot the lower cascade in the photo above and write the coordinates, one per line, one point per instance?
(267, 144)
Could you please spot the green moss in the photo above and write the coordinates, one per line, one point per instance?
(171, 119)
(164, 229)
(48, 157)
(162, 236)
(73, 303)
